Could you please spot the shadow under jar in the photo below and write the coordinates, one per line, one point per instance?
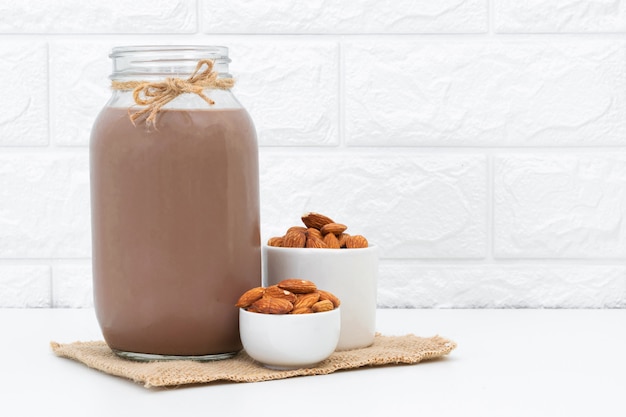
(175, 209)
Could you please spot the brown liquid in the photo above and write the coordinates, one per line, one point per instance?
(175, 224)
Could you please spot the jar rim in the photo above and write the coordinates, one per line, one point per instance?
(162, 61)
(214, 51)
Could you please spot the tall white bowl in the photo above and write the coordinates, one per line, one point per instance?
(350, 274)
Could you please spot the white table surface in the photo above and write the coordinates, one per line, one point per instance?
(507, 363)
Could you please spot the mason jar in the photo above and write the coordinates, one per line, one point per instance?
(174, 205)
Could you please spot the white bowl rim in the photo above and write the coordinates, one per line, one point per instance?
(329, 250)
(321, 313)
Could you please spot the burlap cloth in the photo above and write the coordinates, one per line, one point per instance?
(386, 350)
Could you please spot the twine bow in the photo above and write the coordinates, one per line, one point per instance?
(155, 95)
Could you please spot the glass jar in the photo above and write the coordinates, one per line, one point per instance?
(175, 205)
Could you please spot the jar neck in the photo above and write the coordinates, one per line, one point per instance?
(155, 64)
(151, 63)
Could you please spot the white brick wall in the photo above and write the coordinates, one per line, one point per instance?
(480, 143)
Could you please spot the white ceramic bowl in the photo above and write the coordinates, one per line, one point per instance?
(350, 274)
(290, 341)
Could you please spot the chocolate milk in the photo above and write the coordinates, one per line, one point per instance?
(175, 223)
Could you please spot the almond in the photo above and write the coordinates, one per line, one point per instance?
(311, 232)
(297, 286)
(356, 241)
(271, 306)
(314, 242)
(331, 241)
(320, 306)
(315, 220)
(302, 310)
(306, 300)
(334, 228)
(276, 292)
(325, 295)
(275, 241)
(296, 229)
(250, 296)
(294, 239)
(342, 239)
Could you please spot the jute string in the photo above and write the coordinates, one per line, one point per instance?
(156, 94)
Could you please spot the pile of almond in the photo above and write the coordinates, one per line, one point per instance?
(319, 231)
(290, 296)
